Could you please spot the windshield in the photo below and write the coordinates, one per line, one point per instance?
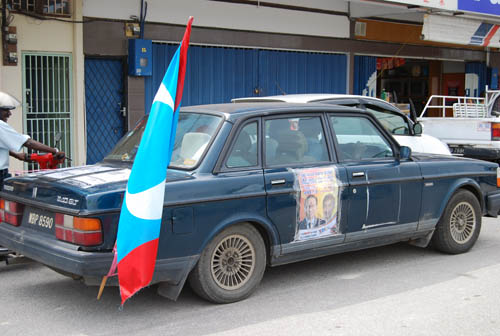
(393, 122)
(194, 133)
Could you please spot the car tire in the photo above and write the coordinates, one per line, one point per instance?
(231, 266)
(460, 224)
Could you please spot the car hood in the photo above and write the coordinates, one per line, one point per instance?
(92, 188)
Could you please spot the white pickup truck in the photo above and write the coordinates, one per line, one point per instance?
(469, 126)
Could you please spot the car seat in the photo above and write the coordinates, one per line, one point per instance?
(292, 145)
(316, 148)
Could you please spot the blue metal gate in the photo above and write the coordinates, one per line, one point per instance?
(103, 99)
(213, 75)
(217, 75)
(365, 75)
(288, 72)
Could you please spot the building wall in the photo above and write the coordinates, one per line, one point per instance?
(217, 14)
(48, 36)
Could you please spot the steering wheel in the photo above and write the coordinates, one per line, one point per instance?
(381, 154)
(393, 131)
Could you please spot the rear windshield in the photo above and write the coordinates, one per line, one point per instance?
(194, 132)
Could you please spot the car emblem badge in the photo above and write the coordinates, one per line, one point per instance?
(35, 189)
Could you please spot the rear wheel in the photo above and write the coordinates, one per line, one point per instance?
(459, 227)
(231, 266)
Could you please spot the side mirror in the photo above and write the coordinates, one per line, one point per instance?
(404, 152)
(417, 128)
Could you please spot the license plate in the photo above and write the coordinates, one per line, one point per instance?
(39, 219)
(457, 150)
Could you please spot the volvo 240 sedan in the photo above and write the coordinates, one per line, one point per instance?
(253, 185)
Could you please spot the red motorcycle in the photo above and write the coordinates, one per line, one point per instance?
(46, 161)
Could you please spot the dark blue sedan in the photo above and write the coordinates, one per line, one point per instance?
(253, 185)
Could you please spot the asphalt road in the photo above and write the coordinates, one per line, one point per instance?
(393, 290)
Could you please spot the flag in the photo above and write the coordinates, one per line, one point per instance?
(140, 217)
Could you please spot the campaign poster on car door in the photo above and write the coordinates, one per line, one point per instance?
(318, 202)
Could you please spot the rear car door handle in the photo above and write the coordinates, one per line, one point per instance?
(358, 174)
(276, 182)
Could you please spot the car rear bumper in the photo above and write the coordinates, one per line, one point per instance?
(54, 253)
(493, 204)
(67, 258)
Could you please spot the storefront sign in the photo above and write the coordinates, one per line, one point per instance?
(438, 28)
(441, 4)
(480, 6)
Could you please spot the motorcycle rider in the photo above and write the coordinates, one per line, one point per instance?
(12, 141)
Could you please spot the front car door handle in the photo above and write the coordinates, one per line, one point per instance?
(358, 174)
(276, 182)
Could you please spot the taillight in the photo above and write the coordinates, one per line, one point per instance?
(498, 177)
(78, 230)
(11, 212)
(495, 131)
(2, 210)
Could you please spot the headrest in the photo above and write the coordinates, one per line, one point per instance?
(193, 145)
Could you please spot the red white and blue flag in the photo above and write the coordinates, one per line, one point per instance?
(140, 217)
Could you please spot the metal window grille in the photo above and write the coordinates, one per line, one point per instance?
(26, 5)
(56, 7)
(48, 100)
(53, 7)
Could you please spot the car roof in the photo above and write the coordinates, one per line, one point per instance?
(233, 112)
(304, 98)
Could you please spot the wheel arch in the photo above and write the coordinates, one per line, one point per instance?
(265, 228)
(464, 184)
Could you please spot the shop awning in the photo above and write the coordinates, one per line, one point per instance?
(456, 30)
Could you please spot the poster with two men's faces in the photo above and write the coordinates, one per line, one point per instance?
(318, 202)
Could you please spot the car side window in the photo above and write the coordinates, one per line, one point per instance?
(392, 121)
(294, 141)
(359, 139)
(244, 151)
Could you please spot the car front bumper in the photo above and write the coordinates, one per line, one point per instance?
(480, 153)
(493, 204)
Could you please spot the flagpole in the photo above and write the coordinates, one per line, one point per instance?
(111, 272)
(101, 288)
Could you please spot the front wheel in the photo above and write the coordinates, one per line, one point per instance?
(231, 266)
(459, 227)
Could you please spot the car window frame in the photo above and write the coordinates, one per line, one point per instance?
(409, 123)
(363, 103)
(221, 164)
(332, 155)
(384, 133)
(233, 141)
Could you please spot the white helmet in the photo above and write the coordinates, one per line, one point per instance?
(7, 102)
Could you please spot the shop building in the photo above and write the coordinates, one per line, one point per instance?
(238, 48)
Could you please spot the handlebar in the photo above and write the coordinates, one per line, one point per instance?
(46, 161)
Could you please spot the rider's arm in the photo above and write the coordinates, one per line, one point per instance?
(20, 156)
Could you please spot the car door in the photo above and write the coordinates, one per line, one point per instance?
(384, 192)
(302, 184)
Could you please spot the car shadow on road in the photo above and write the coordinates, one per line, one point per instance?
(310, 286)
